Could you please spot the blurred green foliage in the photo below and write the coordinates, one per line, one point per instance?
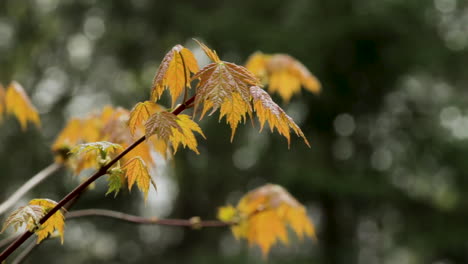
(384, 181)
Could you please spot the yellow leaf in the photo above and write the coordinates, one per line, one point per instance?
(257, 64)
(18, 104)
(136, 171)
(184, 135)
(69, 136)
(143, 151)
(285, 84)
(267, 110)
(227, 213)
(140, 113)
(174, 129)
(55, 223)
(174, 73)
(235, 109)
(263, 215)
(283, 73)
(210, 53)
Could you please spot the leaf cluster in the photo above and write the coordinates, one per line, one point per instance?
(263, 215)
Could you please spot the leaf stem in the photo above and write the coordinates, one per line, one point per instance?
(145, 220)
(77, 191)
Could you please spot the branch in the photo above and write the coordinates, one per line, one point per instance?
(6, 241)
(27, 186)
(102, 171)
(194, 222)
(28, 250)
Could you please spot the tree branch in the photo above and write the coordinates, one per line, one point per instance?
(6, 241)
(28, 250)
(193, 222)
(27, 186)
(102, 171)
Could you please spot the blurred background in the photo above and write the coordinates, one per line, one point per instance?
(385, 180)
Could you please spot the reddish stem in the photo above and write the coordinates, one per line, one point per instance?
(146, 220)
(102, 171)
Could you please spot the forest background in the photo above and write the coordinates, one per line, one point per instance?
(384, 180)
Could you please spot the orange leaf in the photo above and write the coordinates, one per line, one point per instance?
(136, 171)
(263, 214)
(283, 73)
(140, 113)
(161, 124)
(17, 103)
(210, 53)
(174, 73)
(267, 110)
(224, 85)
(55, 222)
(108, 125)
(174, 129)
(219, 81)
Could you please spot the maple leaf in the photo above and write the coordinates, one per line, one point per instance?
(140, 114)
(18, 104)
(69, 135)
(104, 146)
(267, 110)
(94, 154)
(209, 52)
(263, 215)
(283, 73)
(115, 180)
(224, 85)
(174, 73)
(55, 222)
(29, 215)
(184, 135)
(177, 130)
(136, 171)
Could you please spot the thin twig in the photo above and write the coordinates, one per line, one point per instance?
(6, 241)
(102, 171)
(193, 222)
(27, 186)
(28, 250)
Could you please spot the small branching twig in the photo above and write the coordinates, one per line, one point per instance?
(26, 252)
(6, 241)
(146, 220)
(27, 186)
